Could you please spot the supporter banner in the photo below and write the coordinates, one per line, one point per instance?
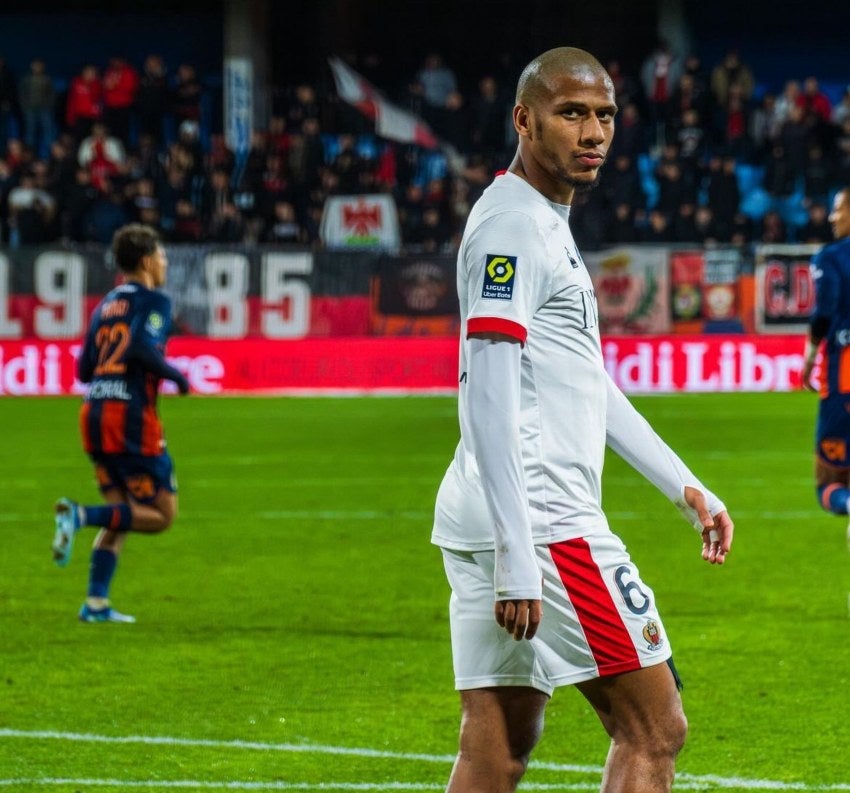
(785, 294)
(632, 291)
(360, 221)
(704, 290)
(221, 292)
(415, 296)
(656, 364)
(663, 364)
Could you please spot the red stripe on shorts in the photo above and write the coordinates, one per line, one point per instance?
(609, 641)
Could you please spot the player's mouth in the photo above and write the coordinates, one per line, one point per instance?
(590, 159)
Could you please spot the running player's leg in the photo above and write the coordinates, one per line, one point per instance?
(642, 712)
(499, 728)
(832, 487)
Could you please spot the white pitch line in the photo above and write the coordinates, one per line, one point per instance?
(684, 781)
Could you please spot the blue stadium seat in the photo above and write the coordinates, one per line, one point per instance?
(756, 202)
(330, 143)
(749, 176)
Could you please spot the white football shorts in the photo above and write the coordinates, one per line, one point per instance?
(599, 618)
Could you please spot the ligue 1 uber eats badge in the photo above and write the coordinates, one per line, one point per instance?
(499, 277)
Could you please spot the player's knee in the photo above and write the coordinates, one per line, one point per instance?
(833, 497)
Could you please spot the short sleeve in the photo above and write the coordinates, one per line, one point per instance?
(507, 274)
(826, 281)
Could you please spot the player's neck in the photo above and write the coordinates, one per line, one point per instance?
(542, 182)
(144, 279)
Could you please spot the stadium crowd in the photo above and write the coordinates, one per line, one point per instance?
(701, 155)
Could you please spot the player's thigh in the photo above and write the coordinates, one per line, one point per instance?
(828, 474)
(599, 617)
(643, 706)
(832, 440)
(502, 722)
(483, 654)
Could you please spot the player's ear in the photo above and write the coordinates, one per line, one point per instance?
(522, 121)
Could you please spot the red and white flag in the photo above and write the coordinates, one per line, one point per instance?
(390, 120)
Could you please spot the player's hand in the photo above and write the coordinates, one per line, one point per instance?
(717, 531)
(182, 386)
(806, 374)
(520, 618)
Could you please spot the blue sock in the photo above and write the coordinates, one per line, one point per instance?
(116, 517)
(101, 570)
(834, 497)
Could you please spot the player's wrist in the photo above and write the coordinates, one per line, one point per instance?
(811, 350)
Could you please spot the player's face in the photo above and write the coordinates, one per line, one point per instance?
(840, 216)
(157, 265)
(571, 129)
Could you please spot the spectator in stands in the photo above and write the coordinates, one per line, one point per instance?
(779, 180)
(620, 226)
(692, 143)
(38, 106)
(633, 135)
(144, 204)
(702, 81)
(347, 166)
(733, 124)
(765, 127)
(451, 122)
(433, 234)
(32, 211)
(673, 189)
(841, 110)
(795, 137)
(106, 215)
(814, 101)
(302, 106)
(76, 203)
(10, 116)
(705, 226)
(186, 95)
(626, 88)
(186, 225)
(223, 221)
(103, 154)
(120, 85)
(842, 152)
(658, 229)
(818, 113)
(724, 195)
(688, 96)
(152, 98)
(621, 184)
(85, 102)
(731, 71)
(306, 156)
(790, 97)
(741, 230)
(438, 81)
(817, 227)
(684, 223)
(660, 74)
(817, 176)
(283, 226)
(772, 228)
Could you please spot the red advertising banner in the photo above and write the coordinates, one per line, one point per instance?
(638, 364)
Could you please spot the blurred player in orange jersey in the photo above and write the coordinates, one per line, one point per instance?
(830, 323)
(123, 360)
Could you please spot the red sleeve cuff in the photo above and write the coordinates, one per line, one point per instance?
(496, 325)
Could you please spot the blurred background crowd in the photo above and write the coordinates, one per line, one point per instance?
(704, 153)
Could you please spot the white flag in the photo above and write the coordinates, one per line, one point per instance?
(391, 121)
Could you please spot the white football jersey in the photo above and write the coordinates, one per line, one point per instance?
(519, 273)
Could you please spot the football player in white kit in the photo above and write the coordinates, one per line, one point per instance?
(543, 593)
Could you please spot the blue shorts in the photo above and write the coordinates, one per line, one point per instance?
(141, 477)
(832, 436)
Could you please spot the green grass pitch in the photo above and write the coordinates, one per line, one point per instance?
(292, 625)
